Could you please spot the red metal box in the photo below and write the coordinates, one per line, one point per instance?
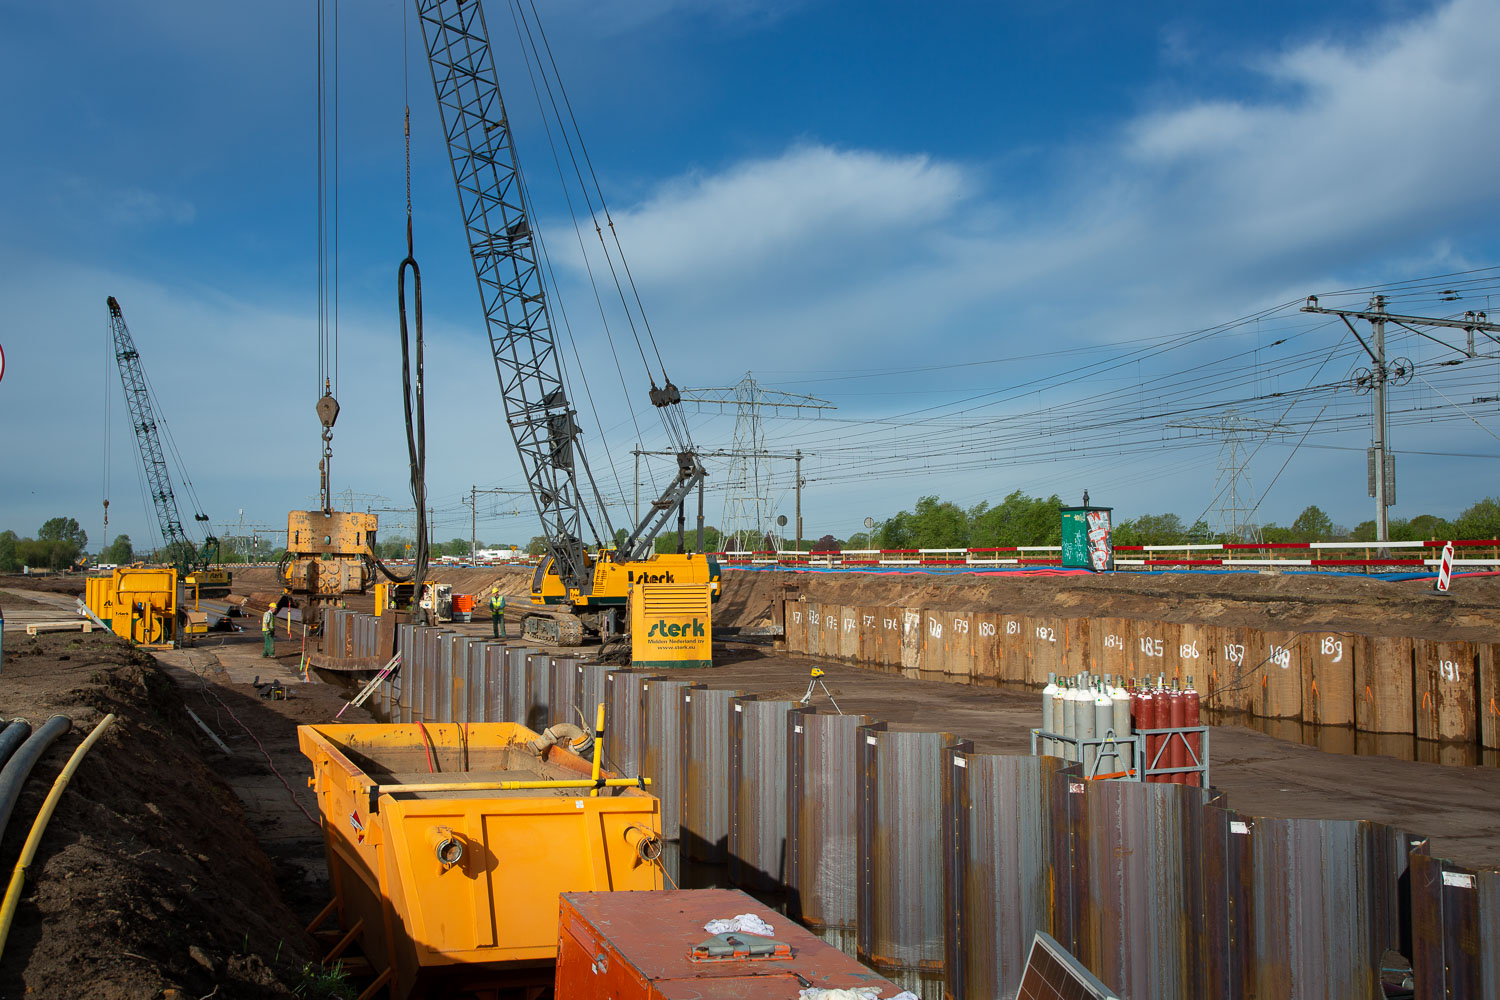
(637, 946)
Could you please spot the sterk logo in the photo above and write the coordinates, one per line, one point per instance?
(359, 827)
(675, 630)
(633, 577)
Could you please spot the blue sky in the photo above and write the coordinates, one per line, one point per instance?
(806, 190)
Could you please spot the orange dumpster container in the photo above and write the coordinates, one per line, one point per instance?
(448, 846)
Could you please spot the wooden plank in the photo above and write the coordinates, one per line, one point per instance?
(795, 615)
(1043, 647)
(890, 637)
(1383, 686)
(1233, 675)
(1446, 690)
(869, 636)
(1153, 650)
(832, 615)
(849, 634)
(1279, 692)
(81, 625)
(1107, 647)
(911, 638)
(958, 656)
(986, 629)
(1489, 694)
(1328, 677)
(934, 642)
(1196, 654)
(1073, 634)
(1011, 649)
(813, 619)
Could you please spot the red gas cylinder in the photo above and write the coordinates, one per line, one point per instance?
(1146, 718)
(1176, 754)
(1191, 705)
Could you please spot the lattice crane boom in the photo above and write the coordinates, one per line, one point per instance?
(144, 422)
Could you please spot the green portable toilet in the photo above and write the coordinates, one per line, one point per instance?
(1086, 540)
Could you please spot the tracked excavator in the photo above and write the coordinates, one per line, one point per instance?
(583, 582)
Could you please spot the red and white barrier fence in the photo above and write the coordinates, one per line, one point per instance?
(1479, 554)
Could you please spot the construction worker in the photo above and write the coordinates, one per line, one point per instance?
(497, 614)
(268, 631)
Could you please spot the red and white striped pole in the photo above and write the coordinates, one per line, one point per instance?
(1445, 569)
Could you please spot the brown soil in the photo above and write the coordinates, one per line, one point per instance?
(148, 878)
(1343, 603)
(50, 583)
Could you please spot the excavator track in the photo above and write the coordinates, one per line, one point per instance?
(558, 631)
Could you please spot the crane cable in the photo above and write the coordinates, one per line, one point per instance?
(416, 430)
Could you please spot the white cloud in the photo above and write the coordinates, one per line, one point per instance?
(811, 198)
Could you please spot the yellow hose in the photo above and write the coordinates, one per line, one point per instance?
(39, 826)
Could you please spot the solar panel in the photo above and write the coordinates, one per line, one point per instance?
(1053, 974)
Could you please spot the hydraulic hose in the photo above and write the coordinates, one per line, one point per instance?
(416, 431)
(13, 776)
(39, 826)
(14, 735)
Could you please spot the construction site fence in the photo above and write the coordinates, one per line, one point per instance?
(937, 864)
(1442, 690)
(1469, 555)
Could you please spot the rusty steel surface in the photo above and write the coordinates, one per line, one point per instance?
(623, 698)
(537, 710)
(1326, 900)
(705, 774)
(516, 701)
(592, 693)
(493, 705)
(661, 733)
(757, 792)
(564, 689)
(822, 806)
(1136, 880)
(998, 860)
(1455, 930)
(432, 657)
(442, 677)
(901, 884)
(636, 946)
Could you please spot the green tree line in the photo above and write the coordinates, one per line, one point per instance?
(1020, 519)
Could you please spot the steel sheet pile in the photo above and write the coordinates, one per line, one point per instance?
(938, 864)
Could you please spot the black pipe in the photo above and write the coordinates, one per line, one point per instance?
(14, 735)
(16, 770)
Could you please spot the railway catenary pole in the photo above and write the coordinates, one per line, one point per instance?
(1382, 477)
(799, 502)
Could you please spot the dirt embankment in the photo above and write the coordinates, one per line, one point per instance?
(69, 584)
(1271, 601)
(148, 879)
(1346, 603)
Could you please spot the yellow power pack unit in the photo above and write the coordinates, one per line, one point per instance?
(144, 605)
(671, 625)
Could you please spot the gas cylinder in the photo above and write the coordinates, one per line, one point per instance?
(1059, 717)
(1176, 718)
(1191, 715)
(1104, 724)
(1069, 720)
(1145, 718)
(1049, 693)
(1120, 699)
(1083, 723)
